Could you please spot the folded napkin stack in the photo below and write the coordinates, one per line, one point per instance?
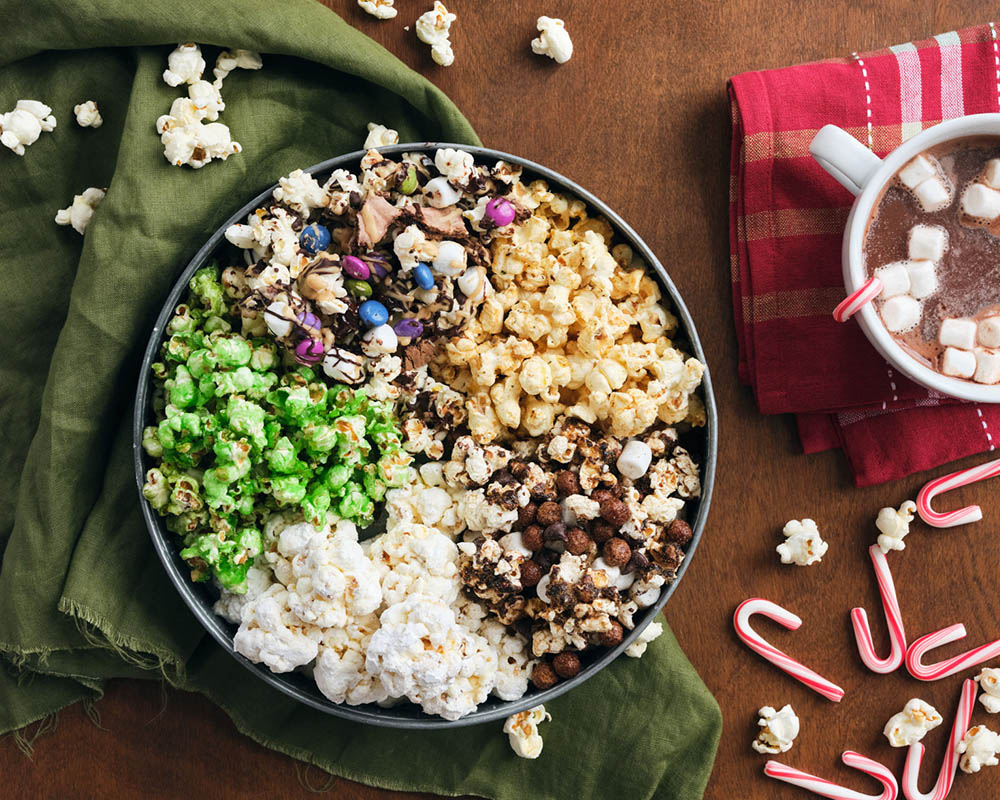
(787, 219)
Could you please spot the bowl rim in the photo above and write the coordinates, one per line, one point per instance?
(854, 268)
(220, 630)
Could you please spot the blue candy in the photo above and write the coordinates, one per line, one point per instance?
(423, 276)
(314, 238)
(373, 313)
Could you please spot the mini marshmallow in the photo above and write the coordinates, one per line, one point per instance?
(981, 202)
(900, 314)
(958, 363)
(917, 171)
(450, 259)
(923, 278)
(895, 279)
(933, 195)
(987, 367)
(960, 333)
(440, 193)
(991, 175)
(928, 242)
(988, 332)
(634, 460)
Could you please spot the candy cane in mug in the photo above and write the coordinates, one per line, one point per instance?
(942, 669)
(893, 618)
(946, 483)
(753, 640)
(825, 788)
(853, 303)
(911, 772)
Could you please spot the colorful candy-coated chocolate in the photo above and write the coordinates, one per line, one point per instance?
(309, 351)
(423, 276)
(314, 238)
(373, 313)
(377, 263)
(310, 321)
(410, 328)
(500, 211)
(409, 183)
(356, 268)
(358, 288)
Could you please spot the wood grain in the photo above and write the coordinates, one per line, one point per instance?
(640, 117)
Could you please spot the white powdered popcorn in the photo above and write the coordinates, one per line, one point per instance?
(434, 28)
(21, 127)
(522, 729)
(778, 730)
(894, 525)
(911, 724)
(989, 682)
(553, 40)
(380, 9)
(803, 545)
(87, 115)
(79, 212)
(978, 749)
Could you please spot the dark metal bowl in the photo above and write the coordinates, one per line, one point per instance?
(200, 596)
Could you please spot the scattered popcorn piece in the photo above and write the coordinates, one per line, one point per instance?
(522, 729)
(928, 242)
(981, 202)
(958, 363)
(434, 28)
(988, 332)
(894, 525)
(778, 730)
(978, 748)
(87, 115)
(380, 9)
(934, 195)
(21, 127)
(911, 724)
(230, 60)
(553, 40)
(188, 140)
(79, 212)
(379, 135)
(184, 65)
(803, 545)
(917, 171)
(207, 99)
(923, 278)
(989, 681)
(901, 313)
(960, 333)
(895, 279)
(987, 367)
(651, 632)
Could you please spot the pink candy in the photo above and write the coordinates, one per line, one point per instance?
(964, 477)
(753, 640)
(893, 618)
(825, 788)
(942, 669)
(309, 351)
(946, 776)
(853, 303)
(500, 211)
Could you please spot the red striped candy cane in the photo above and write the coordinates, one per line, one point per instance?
(853, 303)
(948, 482)
(825, 788)
(942, 669)
(753, 640)
(893, 618)
(911, 772)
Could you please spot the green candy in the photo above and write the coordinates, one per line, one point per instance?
(409, 183)
(358, 288)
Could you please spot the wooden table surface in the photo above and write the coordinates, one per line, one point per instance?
(640, 117)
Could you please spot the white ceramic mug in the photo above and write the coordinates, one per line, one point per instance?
(864, 174)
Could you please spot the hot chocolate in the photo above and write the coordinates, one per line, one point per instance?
(933, 240)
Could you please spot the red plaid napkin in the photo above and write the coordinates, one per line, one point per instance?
(787, 219)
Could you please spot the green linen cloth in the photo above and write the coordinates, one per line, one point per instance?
(83, 598)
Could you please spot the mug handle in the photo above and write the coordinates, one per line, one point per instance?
(844, 157)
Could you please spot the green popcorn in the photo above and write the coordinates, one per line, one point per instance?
(355, 504)
(205, 285)
(233, 576)
(239, 381)
(182, 389)
(337, 476)
(283, 457)
(184, 496)
(202, 362)
(272, 432)
(177, 348)
(229, 450)
(187, 523)
(352, 447)
(213, 324)
(288, 489)
(316, 503)
(156, 489)
(182, 321)
(248, 541)
(247, 418)
(320, 440)
(264, 356)
(151, 442)
(394, 468)
(374, 485)
(232, 351)
(159, 370)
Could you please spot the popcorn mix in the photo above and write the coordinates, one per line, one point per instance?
(522, 729)
(894, 525)
(87, 115)
(379, 135)
(778, 730)
(79, 212)
(911, 724)
(434, 28)
(803, 545)
(475, 357)
(21, 127)
(553, 40)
